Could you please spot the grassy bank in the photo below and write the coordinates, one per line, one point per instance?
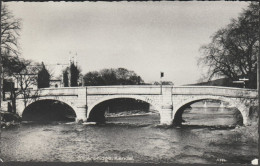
(250, 133)
(9, 119)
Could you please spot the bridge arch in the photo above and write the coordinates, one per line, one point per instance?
(136, 97)
(66, 104)
(178, 110)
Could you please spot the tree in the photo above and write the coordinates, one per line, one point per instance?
(233, 50)
(127, 77)
(109, 76)
(10, 28)
(93, 78)
(24, 73)
(65, 78)
(26, 78)
(43, 79)
(163, 83)
(74, 75)
(11, 65)
(120, 76)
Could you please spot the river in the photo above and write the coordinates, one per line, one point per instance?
(133, 139)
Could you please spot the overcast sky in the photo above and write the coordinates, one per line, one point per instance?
(147, 37)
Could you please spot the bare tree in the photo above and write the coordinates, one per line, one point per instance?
(233, 50)
(24, 73)
(10, 28)
(26, 79)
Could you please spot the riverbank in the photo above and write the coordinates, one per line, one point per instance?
(9, 119)
(250, 133)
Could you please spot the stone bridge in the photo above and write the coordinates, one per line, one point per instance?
(169, 101)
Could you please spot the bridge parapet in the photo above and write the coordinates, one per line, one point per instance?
(133, 90)
(166, 99)
(66, 91)
(151, 90)
(215, 91)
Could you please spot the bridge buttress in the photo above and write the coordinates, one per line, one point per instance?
(80, 104)
(244, 110)
(81, 114)
(166, 106)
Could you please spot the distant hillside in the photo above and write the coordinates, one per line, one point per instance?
(220, 82)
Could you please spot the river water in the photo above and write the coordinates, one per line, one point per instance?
(132, 139)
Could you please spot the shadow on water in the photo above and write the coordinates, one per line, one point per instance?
(146, 123)
(216, 127)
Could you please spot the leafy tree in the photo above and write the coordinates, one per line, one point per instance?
(65, 78)
(11, 65)
(163, 83)
(43, 79)
(126, 77)
(74, 75)
(108, 76)
(233, 50)
(120, 76)
(93, 78)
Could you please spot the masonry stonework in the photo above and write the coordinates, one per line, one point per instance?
(167, 100)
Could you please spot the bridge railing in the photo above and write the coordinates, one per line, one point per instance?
(214, 90)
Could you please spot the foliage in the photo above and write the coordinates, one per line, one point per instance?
(12, 64)
(120, 76)
(74, 75)
(163, 83)
(43, 79)
(233, 50)
(65, 78)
